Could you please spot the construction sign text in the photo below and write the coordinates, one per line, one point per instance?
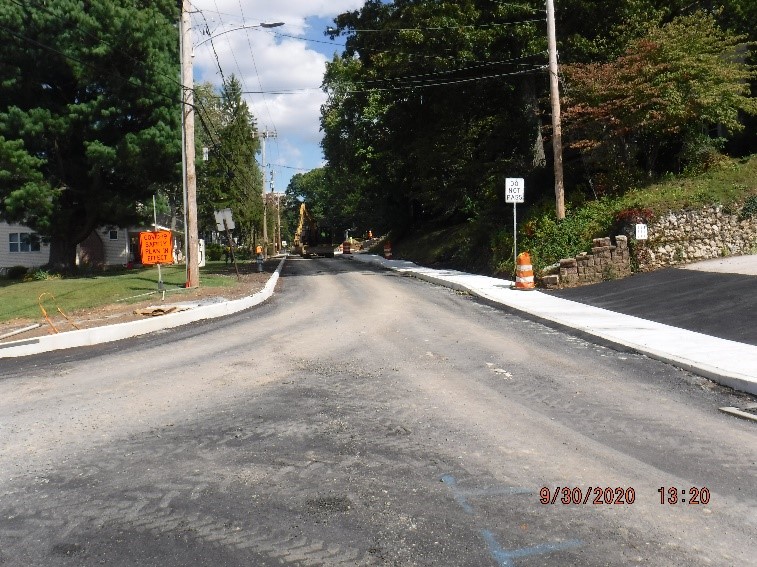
(155, 247)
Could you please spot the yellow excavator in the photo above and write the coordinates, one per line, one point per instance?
(312, 240)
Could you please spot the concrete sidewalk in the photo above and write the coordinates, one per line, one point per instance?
(726, 362)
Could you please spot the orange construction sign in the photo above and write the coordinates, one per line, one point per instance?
(155, 247)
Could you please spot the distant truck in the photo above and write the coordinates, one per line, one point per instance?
(311, 239)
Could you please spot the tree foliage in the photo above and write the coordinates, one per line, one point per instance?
(677, 81)
(231, 177)
(89, 113)
(410, 126)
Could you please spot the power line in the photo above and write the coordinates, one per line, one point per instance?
(458, 70)
(447, 83)
(440, 28)
(418, 84)
(260, 84)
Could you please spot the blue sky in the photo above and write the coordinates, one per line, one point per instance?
(286, 63)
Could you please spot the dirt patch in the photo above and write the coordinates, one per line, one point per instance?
(250, 281)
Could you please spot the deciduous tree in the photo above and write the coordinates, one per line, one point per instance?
(679, 79)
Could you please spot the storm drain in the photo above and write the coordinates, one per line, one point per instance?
(749, 411)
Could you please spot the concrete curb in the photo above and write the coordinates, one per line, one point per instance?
(726, 362)
(110, 333)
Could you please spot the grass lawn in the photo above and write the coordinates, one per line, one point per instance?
(22, 299)
(728, 185)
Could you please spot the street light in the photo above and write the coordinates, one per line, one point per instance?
(267, 25)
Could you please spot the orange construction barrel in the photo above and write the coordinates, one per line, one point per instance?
(388, 250)
(346, 247)
(524, 272)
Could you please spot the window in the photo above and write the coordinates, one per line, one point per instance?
(23, 242)
(113, 234)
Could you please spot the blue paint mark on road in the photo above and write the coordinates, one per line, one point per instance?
(450, 481)
(461, 496)
(504, 557)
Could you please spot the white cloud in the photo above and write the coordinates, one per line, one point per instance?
(267, 60)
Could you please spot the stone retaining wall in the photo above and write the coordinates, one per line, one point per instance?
(680, 237)
(606, 262)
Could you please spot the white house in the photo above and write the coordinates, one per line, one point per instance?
(20, 246)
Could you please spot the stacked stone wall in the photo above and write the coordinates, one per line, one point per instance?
(681, 237)
(606, 262)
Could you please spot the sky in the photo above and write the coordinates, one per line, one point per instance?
(290, 58)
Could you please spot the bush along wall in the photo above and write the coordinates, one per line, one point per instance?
(681, 237)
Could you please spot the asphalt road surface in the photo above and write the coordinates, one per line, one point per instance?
(365, 418)
(717, 304)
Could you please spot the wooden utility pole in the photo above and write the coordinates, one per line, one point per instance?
(264, 135)
(554, 91)
(188, 138)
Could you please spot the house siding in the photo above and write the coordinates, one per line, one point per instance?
(27, 259)
(116, 251)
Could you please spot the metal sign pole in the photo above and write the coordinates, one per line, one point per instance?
(515, 240)
(515, 193)
(155, 229)
(231, 247)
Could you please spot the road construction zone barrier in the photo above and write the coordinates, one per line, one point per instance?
(524, 272)
(346, 247)
(388, 250)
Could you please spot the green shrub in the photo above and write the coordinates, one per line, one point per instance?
(16, 272)
(213, 252)
(749, 209)
(502, 260)
(43, 275)
(242, 253)
(548, 239)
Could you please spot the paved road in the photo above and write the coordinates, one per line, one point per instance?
(716, 304)
(364, 418)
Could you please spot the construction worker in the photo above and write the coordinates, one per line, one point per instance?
(259, 253)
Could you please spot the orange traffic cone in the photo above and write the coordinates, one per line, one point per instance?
(524, 272)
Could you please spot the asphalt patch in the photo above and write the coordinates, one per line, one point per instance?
(719, 305)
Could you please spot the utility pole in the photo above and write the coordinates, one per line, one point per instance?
(264, 135)
(554, 91)
(278, 221)
(188, 138)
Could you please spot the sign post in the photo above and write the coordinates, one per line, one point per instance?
(225, 222)
(515, 192)
(155, 248)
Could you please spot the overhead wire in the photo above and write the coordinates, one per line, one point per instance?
(260, 84)
(245, 90)
(446, 83)
(458, 70)
(440, 28)
(414, 83)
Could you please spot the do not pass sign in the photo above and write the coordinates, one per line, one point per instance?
(515, 190)
(155, 247)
